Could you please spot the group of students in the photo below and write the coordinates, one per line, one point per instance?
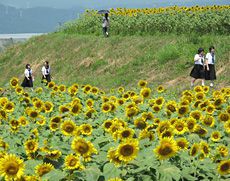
(204, 67)
(29, 78)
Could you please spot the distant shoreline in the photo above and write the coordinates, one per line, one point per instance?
(19, 35)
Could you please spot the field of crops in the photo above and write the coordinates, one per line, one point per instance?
(82, 133)
(180, 20)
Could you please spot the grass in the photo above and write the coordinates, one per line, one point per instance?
(114, 61)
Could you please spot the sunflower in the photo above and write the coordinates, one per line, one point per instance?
(33, 114)
(131, 112)
(206, 89)
(145, 92)
(3, 101)
(218, 102)
(86, 129)
(200, 96)
(72, 162)
(215, 136)
(210, 109)
(180, 127)
(68, 127)
(90, 102)
(51, 84)
(3, 114)
(224, 167)
(191, 123)
(160, 89)
(208, 121)
(89, 113)
(14, 82)
(197, 103)
(31, 178)
(198, 89)
(23, 121)
(95, 90)
(224, 117)
(54, 126)
(120, 102)
(204, 147)
(138, 100)
(167, 148)
(222, 150)
(126, 96)
(76, 109)
(194, 149)
(163, 125)
(128, 150)
(182, 110)
(113, 107)
(83, 147)
(200, 131)
(111, 155)
(38, 104)
(227, 126)
(3, 145)
(106, 107)
(63, 109)
(72, 90)
(182, 143)
(167, 133)
(107, 124)
(41, 120)
(14, 123)
(62, 88)
(43, 169)
(19, 90)
(11, 167)
(9, 107)
(171, 106)
(126, 133)
(145, 133)
(156, 108)
(120, 90)
(31, 146)
(228, 109)
(54, 155)
(140, 123)
(159, 101)
(197, 115)
(142, 83)
(147, 115)
(115, 179)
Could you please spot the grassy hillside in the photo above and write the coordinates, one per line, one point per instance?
(115, 61)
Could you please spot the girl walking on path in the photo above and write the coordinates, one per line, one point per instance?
(105, 25)
(28, 80)
(46, 73)
(210, 72)
(198, 69)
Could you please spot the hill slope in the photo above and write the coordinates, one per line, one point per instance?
(115, 61)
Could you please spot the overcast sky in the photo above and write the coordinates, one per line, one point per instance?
(108, 3)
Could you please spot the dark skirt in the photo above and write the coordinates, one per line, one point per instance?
(27, 83)
(47, 78)
(197, 72)
(211, 74)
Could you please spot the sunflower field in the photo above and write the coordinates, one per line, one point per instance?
(83, 133)
(148, 21)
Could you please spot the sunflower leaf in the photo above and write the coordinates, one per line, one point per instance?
(169, 172)
(110, 171)
(92, 173)
(30, 166)
(54, 175)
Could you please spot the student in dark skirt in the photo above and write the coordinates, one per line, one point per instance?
(46, 73)
(198, 69)
(210, 72)
(105, 25)
(28, 80)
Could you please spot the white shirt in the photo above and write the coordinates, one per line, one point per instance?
(45, 71)
(105, 22)
(27, 73)
(209, 58)
(199, 60)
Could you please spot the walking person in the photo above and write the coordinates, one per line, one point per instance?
(105, 25)
(28, 80)
(46, 73)
(198, 69)
(210, 72)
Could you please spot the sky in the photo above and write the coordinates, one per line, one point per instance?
(107, 3)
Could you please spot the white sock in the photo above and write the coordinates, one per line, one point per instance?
(202, 82)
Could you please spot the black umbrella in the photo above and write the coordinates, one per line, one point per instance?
(103, 11)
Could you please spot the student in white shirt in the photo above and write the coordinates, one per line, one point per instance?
(198, 69)
(105, 25)
(210, 72)
(46, 72)
(28, 80)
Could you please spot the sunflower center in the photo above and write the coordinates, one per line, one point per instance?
(69, 128)
(12, 169)
(31, 146)
(179, 127)
(83, 147)
(125, 134)
(225, 167)
(72, 162)
(86, 129)
(165, 150)
(205, 149)
(108, 124)
(181, 144)
(127, 150)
